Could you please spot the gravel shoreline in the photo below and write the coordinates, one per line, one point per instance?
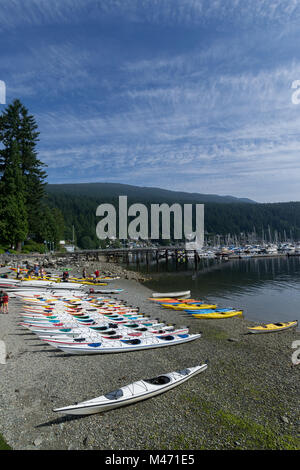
(248, 398)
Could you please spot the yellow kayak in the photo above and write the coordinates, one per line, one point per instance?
(94, 283)
(188, 306)
(173, 301)
(217, 315)
(273, 327)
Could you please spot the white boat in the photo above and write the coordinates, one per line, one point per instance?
(8, 283)
(105, 291)
(177, 295)
(51, 285)
(88, 337)
(126, 345)
(132, 393)
(271, 249)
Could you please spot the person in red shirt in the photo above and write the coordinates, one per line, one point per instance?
(5, 302)
(97, 273)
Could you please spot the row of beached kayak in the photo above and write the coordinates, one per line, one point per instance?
(76, 323)
(80, 323)
(88, 326)
(42, 284)
(200, 309)
(197, 308)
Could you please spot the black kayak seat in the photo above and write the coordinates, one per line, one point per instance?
(160, 380)
(167, 338)
(131, 341)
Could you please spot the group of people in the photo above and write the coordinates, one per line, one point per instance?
(3, 302)
(95, 275)
(35, 271)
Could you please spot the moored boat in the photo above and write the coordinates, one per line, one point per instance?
(178, 295)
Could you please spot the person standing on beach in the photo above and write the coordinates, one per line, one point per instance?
(1, 301)
(41, 271)
(84, 273)
(5, 302)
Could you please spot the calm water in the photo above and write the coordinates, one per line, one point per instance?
(266, 289)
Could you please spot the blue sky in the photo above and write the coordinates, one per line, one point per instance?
(191, 95)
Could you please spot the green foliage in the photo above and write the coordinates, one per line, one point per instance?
(3, 444)
(31, 246)
(49, 225)
(13, 212)
(18, 126)
(23, 211)
(78, 205)
(86, 243)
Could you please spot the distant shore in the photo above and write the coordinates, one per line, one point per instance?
(247, 399)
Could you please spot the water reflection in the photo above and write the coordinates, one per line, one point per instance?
(267, 289)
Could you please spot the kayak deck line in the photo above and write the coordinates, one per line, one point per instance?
(133, 393)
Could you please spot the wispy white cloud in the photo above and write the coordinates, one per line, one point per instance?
(178, 12)
(214, 115)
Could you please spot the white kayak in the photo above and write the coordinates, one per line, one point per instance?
(105, 291)
(54, 330)
(31, 292)
(163, 295)
(8, 283)
(132, 393)
(50, 285)
(125, 345)
(112, 334)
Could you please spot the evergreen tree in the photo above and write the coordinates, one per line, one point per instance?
(17, 125)
(51, 225)
(13, 213)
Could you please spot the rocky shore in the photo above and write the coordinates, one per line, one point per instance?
(248, 398)
(58, 264)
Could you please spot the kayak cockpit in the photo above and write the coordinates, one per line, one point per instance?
(160, 380)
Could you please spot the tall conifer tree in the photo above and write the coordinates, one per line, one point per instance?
(13, 213)
(17, 125)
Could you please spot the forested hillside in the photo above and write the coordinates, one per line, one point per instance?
(34, 215)
(78, 204)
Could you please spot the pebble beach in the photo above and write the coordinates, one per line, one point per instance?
(248, 398)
